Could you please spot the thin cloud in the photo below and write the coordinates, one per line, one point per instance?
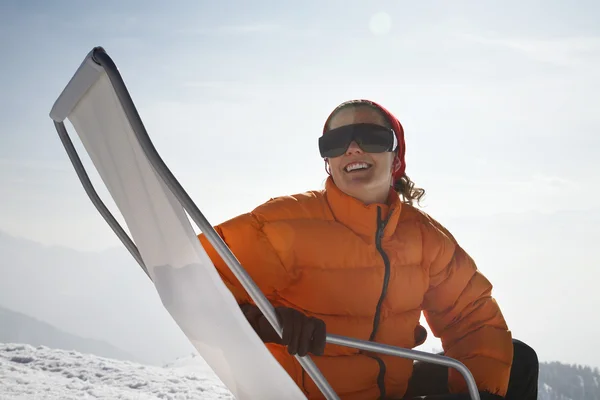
(553, 181)
(530, 192)
(31, 165)
(242, 29)
(535, 182)
(214, 84)
(564, 52)
(248, 29)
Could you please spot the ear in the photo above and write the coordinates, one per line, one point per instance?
(396, 164)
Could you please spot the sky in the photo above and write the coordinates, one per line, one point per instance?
(499, 102)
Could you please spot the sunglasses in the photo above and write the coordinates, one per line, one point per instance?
(371, 138)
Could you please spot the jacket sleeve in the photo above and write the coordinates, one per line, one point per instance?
(247, 241)
(461, 311)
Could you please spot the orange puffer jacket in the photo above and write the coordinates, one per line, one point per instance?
(368, 272)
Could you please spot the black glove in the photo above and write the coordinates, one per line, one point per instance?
(301, 334)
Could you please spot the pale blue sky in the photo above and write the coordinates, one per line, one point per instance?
(499, 102)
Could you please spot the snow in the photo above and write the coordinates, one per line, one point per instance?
(548, 393)
(31, 373)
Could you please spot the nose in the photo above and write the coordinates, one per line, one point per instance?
(353, 148)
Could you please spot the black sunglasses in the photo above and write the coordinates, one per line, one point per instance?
(371, 138)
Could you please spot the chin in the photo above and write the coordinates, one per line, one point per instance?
(358, 182)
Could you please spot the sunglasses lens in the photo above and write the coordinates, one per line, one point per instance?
(369, 137)
(334, 144)
(375, 140)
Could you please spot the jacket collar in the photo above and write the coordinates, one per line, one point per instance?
(359, 217)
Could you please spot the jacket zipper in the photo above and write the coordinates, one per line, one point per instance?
(381, 224)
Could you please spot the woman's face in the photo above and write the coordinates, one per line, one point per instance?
(356, 172)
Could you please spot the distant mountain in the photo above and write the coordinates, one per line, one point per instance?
(20, 328)
(568, 382)
(98, 295)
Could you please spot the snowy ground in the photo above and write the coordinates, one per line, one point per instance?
(35, 373)
(32, 373)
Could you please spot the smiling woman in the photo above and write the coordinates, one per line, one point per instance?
(356, 260)
(387, 161)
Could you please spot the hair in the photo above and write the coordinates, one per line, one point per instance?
(407, 190)
(404, 186)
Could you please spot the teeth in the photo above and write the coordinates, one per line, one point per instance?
(355, 166)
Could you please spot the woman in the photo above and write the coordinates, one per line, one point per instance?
(358, 259)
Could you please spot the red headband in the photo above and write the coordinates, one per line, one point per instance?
(398, 129)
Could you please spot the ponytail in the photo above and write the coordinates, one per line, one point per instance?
(407, 190)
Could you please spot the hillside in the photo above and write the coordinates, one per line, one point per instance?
(20, 328)
(98, 295)
(560, 381)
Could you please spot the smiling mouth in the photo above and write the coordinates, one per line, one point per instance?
(357, 166)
